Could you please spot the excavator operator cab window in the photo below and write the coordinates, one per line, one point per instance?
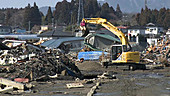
(116, 51)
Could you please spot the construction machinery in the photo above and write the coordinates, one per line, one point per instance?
(120, 54)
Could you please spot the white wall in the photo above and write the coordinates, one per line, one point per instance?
(136, 31)
(153, 30)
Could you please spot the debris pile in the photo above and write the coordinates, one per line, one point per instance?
(26, 62)
(158, 56)
(42, 65)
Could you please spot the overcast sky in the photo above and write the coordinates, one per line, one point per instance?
(24, 3)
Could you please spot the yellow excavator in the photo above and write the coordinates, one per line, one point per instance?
(126, 57)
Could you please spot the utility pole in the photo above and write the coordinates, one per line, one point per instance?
(53, 27)
(52, 23)
(29, 26)
(145, 4)
(80, 12)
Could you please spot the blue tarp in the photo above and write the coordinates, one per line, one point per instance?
(20, 30)
(90, 55)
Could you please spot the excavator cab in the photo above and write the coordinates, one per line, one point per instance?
(119, 55)
(116, 51)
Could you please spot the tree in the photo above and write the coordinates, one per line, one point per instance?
(105, 10)
(91, 8)
(138, 18)
(49, 16)
(17, 18)
(154, 16)
(36, 16)
(62, 13)
(27, 16)
(148, 14)
(161, 16)
(44, 21)
(7, 17)
(143, 17)
(74, 9)
(2, 18)
(166, 21)
(66, 12)
(118, 12)
(32, 16)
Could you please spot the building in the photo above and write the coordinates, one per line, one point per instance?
(5, 30)
(66, 44)
(55, 34)
(153, 33)
(152, 29)
(134, 31)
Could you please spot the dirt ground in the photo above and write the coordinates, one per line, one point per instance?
(128, 83)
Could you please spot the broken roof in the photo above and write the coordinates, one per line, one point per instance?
(100, 41)
(58, 32)
(54, 43)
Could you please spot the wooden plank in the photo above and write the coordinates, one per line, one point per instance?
(11, 83)
(74, 85)
(93, 89)
(6, 89)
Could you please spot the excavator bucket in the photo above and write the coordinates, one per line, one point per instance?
(83, 28)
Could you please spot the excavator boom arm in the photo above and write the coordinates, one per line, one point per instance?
(108, 26)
